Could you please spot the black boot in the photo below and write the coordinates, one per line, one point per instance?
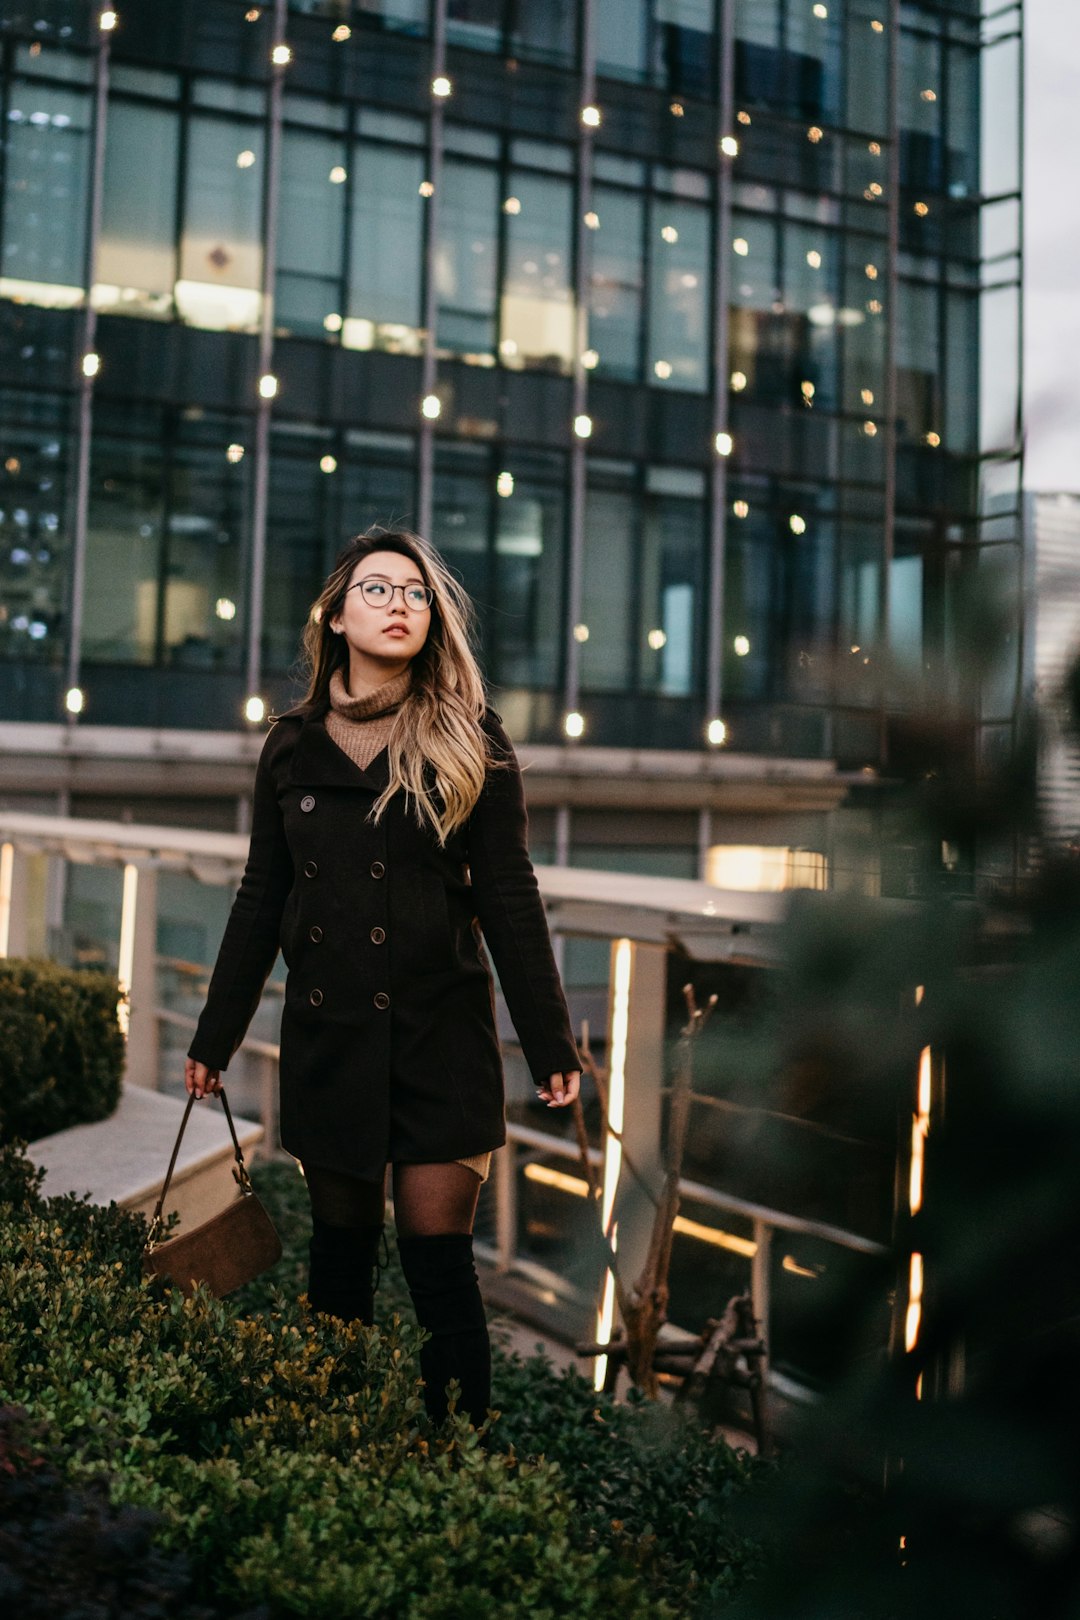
(343, 1270)
(446, 1295)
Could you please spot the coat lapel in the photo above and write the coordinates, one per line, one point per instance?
(317, 761)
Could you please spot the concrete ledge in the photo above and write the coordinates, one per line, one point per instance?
(123, 1159)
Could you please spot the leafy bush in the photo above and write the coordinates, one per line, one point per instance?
(290, 1462)
(61, 1050)
(65, 1550)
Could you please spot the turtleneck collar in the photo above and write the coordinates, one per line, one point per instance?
(382, 700)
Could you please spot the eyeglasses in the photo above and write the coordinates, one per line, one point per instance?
(380, 592)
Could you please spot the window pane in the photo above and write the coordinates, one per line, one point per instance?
(528, 594)
(311, 232)
(207, 522)
(136, 264)
(123, 548)
(33, 544)
(616, 280)
(673, 549)
(608, 591)
(545, 28)
(538, 301)
(461, 518)
(221, 248)
(466, 259)
(679, 323)
(384, 286)
(621, 37)
(302, 529)
(475, 23)
(682, 50)
(47, 174)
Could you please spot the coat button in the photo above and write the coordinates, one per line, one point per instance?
(378, 870)
(311, 869)
(382, 1000)
(315, 933)
(316, 998)
(307, 802)
(378, 935)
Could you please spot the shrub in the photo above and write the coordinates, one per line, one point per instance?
(61, 1050)
(290, 1462)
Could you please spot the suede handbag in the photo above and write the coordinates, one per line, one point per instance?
(220, 1254)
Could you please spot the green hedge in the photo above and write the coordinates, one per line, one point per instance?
(291, 1465)
(61, 1050)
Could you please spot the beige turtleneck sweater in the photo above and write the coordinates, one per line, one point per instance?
(361, 727)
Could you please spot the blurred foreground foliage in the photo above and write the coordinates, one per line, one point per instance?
(61, 1049)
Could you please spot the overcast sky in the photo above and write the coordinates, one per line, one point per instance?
(1052, 245)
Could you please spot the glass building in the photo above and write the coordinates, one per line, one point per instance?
(688, 330)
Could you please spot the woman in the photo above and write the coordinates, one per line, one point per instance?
(388, 830)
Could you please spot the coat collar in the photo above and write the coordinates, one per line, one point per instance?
(317, 761)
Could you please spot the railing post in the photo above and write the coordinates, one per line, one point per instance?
(138, 974)
(760, 1283)
(636, 1019)
(504, 1166)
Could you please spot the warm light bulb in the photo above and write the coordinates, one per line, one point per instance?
(268, 385)
(234, 453)
(662, 368)
(426, 188)
(590, 359)
(255, 710)
(583, 426)
(91, 364)
(814, 133)
(742, 646)
(590, 116)
(328, 464)
(333, 322)
(504, 484)
(431, 406)
(281, 56)
(797, 524)
(741, 246)
(870, 429)
(741, 509)
(871, 272)
(338, 175)
(656, 640)
(341, 33)
(512, 205)
(808, 390)
(724, 443)
(669, 233)
(729, 146)
(922, 209)
(933, 440)
(74, 700)
(738, 381)
(245, 159)
(225, 608)
(592, 220)
(441, 86)
(716, 733)
(108, 21)
(581, 632)
(574, 724)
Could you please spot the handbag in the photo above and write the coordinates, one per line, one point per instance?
(226, 1251)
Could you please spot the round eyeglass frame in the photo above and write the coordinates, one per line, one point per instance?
(362, 585)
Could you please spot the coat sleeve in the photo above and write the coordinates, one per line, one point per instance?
(249, 946)
(511, 914)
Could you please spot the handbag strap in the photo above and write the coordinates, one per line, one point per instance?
(240, 1172)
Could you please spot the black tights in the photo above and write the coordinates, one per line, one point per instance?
(434, 1208)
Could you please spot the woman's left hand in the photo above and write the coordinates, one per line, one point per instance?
(560, 1089)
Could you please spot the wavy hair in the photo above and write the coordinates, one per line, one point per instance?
(438, 751)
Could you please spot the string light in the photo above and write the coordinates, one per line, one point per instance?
(808, 391)
(656, 640)
(716, 733)
(333, 322)
(741, 509)
(662, 369)
(592, 220)
(814, 133)
(431, 406)
(724, 443)
(426, 188)
(868, 396)
(590, 116)
(504, 484)
(870, 429)
(225, 608)
(255, 710)
(813, 259)
(738, 381)
(341, 33)
(590, 359)
(742, 646)
(108, 21)
(234, 454)
(581, 632)
(677, 109)
(729, 146)
(922, 209)
(874, 189)
(877, 26)
(743, 117)
(874, 149)
(574, 724)
(933, 440)
(441, 86)
(741, 246)
(91, 364)
(328, 464)
(871, 272)
(338, 175)
(797, 524)
(928, 95)
(244, 160)
(669, 233)
(583, 426)
(281, 55)
(875, 306)
(74, 700)
(268, 386)
(821, 12)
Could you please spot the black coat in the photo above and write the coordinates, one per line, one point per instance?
(388, 1043)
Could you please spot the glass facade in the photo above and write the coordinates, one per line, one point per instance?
(783, 228)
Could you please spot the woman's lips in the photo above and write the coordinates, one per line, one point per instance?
(396, 630)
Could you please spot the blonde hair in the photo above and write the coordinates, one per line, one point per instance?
(438, 751)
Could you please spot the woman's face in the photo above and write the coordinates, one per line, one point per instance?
(386, 621)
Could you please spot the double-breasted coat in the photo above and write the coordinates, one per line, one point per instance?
(388, 1041)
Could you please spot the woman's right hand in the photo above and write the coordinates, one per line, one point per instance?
(200, 1080)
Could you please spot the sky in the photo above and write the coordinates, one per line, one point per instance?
(1052, 245)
